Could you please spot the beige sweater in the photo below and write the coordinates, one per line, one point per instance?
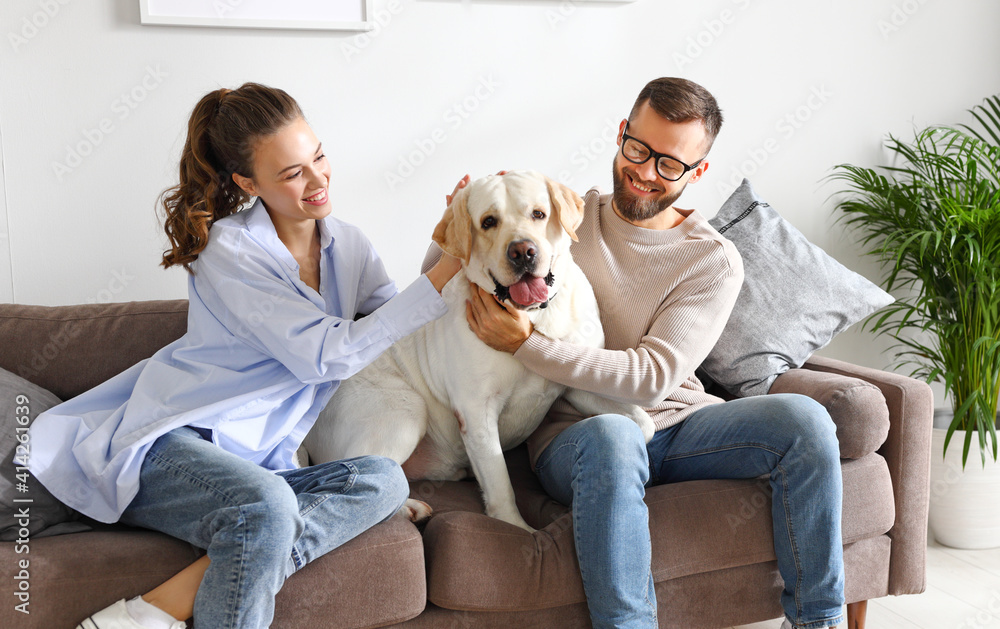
(664, 298)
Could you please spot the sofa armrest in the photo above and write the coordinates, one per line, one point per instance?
(907, 451)
(857, 407)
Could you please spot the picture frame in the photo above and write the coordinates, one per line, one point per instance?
(340, 15)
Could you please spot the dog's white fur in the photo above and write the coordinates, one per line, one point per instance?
(440, 399)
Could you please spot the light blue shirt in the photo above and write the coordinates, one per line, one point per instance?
(262, 355)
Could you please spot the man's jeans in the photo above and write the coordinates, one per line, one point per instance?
(258, 526)
(600, 466)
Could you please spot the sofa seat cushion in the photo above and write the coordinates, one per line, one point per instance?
(479, 563)
(74, 575)
(373, 580)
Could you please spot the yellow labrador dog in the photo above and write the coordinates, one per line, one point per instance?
(440, 400)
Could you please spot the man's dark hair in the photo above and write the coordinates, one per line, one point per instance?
(680, 100)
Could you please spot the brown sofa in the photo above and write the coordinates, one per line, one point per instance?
(713, 558)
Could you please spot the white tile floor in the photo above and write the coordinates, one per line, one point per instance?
(963, 592)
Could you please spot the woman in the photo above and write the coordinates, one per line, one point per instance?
(199, 441)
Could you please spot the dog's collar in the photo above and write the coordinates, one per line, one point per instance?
(503, 292)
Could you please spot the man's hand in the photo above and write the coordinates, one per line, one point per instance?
(501, 326)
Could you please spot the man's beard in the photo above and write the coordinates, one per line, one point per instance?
(631, 207)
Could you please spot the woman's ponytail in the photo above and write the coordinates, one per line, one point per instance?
(222, 132)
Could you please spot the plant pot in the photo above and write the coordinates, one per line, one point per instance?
(964, 509)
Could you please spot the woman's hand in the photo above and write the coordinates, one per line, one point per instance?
(444, 270)
(501, 326)
(464, 181)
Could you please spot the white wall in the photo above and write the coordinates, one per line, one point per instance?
(545, 83)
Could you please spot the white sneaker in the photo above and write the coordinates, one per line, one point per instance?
(117, 617)
(788, 625)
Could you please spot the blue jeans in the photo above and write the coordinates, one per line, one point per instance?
(600, 466)
(259, 526)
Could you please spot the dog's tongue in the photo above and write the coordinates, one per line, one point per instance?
(531, 290)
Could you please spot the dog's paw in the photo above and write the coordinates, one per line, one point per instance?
(524, 525)
(301, 457)
(645, 423)
(514, 518)
(417, 510)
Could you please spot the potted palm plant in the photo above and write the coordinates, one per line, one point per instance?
(933, 220)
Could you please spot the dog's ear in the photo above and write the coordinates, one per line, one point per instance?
(568, 206)
(454, 233)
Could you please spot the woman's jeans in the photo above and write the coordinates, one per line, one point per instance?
(600, 466)
(258, 526)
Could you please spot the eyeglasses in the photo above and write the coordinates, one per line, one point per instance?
(638, 152)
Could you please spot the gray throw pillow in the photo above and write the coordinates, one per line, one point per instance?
(795, 298)
(36, 510)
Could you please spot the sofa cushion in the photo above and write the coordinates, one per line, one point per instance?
(536, 507)
(857, 407)
(479, 563)
(50, 345)
(26, 507)
(795, 298)
(375, 579)
(751, 594)
(72, 576)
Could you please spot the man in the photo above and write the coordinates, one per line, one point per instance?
(666, 282)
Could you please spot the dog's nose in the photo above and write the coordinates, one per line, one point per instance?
(522, 253)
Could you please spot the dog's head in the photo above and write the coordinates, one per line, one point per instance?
(511, 231)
